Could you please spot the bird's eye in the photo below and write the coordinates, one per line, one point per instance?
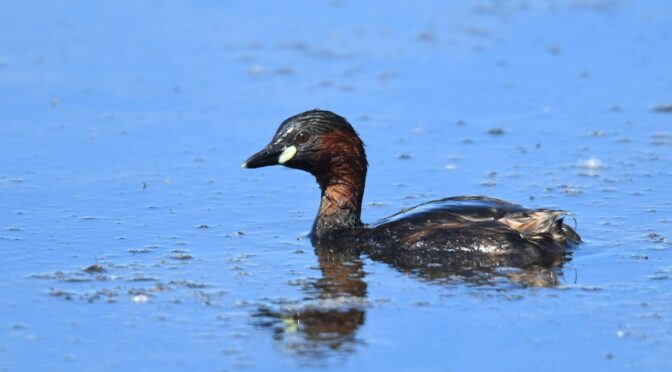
(302, 138)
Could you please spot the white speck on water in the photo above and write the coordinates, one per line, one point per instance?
(450, 167)
(592, 164)
(140, 298)
(256, 70)
(489, 183)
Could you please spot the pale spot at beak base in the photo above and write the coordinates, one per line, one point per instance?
(287, 154)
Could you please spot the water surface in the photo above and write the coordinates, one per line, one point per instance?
(131, 237)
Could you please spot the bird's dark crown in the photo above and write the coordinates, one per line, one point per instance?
(316, 121)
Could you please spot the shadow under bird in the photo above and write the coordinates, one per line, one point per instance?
(442, 237)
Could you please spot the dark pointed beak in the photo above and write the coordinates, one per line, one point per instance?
(268, 156)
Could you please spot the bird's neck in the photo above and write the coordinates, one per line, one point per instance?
(341, 204)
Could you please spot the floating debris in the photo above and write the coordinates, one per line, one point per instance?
(661, 139)
(489, 183)
(95, 268)
(554, 50)
(182, 256)
(284, 71)
(139, 250)
(59, 293)
(107, 294)
(141, 278)
(665, 108)
(657, 238)
(187, 284)
(570, 190)
(387, 75)
(496, 131)
(425, 36)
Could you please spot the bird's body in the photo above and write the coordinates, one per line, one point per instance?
(465, 231)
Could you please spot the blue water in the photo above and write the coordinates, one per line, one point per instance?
(131, 238)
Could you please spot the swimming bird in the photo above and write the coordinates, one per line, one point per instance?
(474, 231)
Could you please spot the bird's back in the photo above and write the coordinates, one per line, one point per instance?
(474, 228)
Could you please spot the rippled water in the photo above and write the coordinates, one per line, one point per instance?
(131, 237)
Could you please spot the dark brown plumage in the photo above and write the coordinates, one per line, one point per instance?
(467, 231)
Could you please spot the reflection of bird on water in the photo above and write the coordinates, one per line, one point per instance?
(328, 319)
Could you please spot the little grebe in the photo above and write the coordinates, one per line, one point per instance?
(458, 229)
